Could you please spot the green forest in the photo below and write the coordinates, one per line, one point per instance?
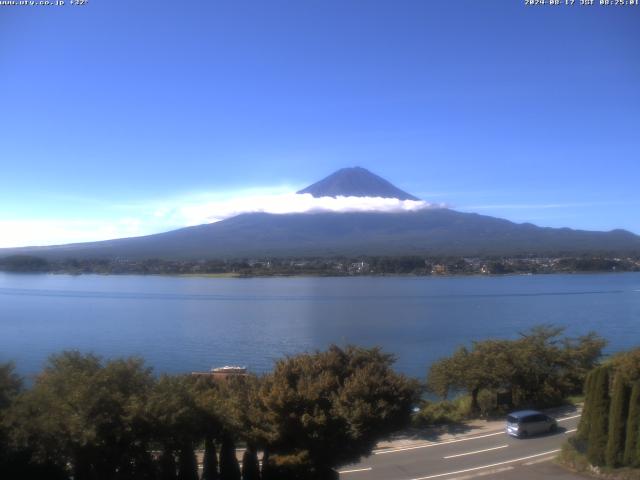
(86, 418)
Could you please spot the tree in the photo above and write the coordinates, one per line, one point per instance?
(250, 464)
(539, 368)
(581, 355)
(329, 408)
(599, 417)
(585, 419)
(175, 423)
(86, 414)
(168, 467)
(229, 467)
(631, 455)
(488, 365)
(10, 387)
(617, 422)
(210, 460)
(187, 464)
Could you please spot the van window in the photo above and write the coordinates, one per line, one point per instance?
(512, 419)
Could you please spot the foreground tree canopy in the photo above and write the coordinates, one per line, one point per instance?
(85, 418)
(538, 369)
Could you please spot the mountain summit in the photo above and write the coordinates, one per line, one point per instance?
(356, 182)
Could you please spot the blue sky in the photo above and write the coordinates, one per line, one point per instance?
(117, 116)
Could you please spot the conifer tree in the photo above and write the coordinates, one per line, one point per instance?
(599, 417)
(267, 472)
(167, 466)
(210, 461)
(250, 465)
(187, 463)
(631, 455)
(585, 418)
(229, 467)
(617, 422)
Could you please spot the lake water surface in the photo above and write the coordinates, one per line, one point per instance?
(181, 324)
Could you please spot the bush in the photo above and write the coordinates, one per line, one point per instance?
(441, 413)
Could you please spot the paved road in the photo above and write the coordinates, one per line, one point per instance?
(491, 454)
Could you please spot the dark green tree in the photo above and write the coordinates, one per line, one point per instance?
(539, 368)
(631, 455)
(229, 466)
(175, 422)
(585, 419)
(267, 472)
(599, 404)
(250, 464)
(617, 422)
(168, 467)
(187, 463)
(329, 408)
(210, 460)
(86, 414)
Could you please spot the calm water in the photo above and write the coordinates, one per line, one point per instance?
(183, 324)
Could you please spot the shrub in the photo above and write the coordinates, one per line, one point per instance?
(439, 413)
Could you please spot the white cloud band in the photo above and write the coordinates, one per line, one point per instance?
(155, 217)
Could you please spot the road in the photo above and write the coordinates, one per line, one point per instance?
(491, 454)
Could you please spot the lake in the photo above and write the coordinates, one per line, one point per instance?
(180, 324)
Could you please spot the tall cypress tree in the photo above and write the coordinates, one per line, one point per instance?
(250, 465)
(267, 471)
(229, 467)
(585, 420)
(598, 417)
(167, 465)
(631, 455)
(210, 461)
(187, 463)
(617, 422)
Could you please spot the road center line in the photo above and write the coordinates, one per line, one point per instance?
(477, 451)
(487, 466)
(355, 470)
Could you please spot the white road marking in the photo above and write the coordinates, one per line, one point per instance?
(484, 474)
(355, 470)
(569, 418)
(477, 451)
(541, 460)
(456, 440)
(428, 445)
(488, 466)
(570, 431)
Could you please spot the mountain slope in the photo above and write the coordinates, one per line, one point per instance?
(356, 182)
(428, 232)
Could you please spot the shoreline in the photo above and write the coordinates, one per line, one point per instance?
(237, 275)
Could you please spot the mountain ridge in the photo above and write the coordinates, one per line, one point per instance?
(323, 234)
(426, 231)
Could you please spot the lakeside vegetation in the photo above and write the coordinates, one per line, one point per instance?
(329, 266)
(542, 368)
(86, 418)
